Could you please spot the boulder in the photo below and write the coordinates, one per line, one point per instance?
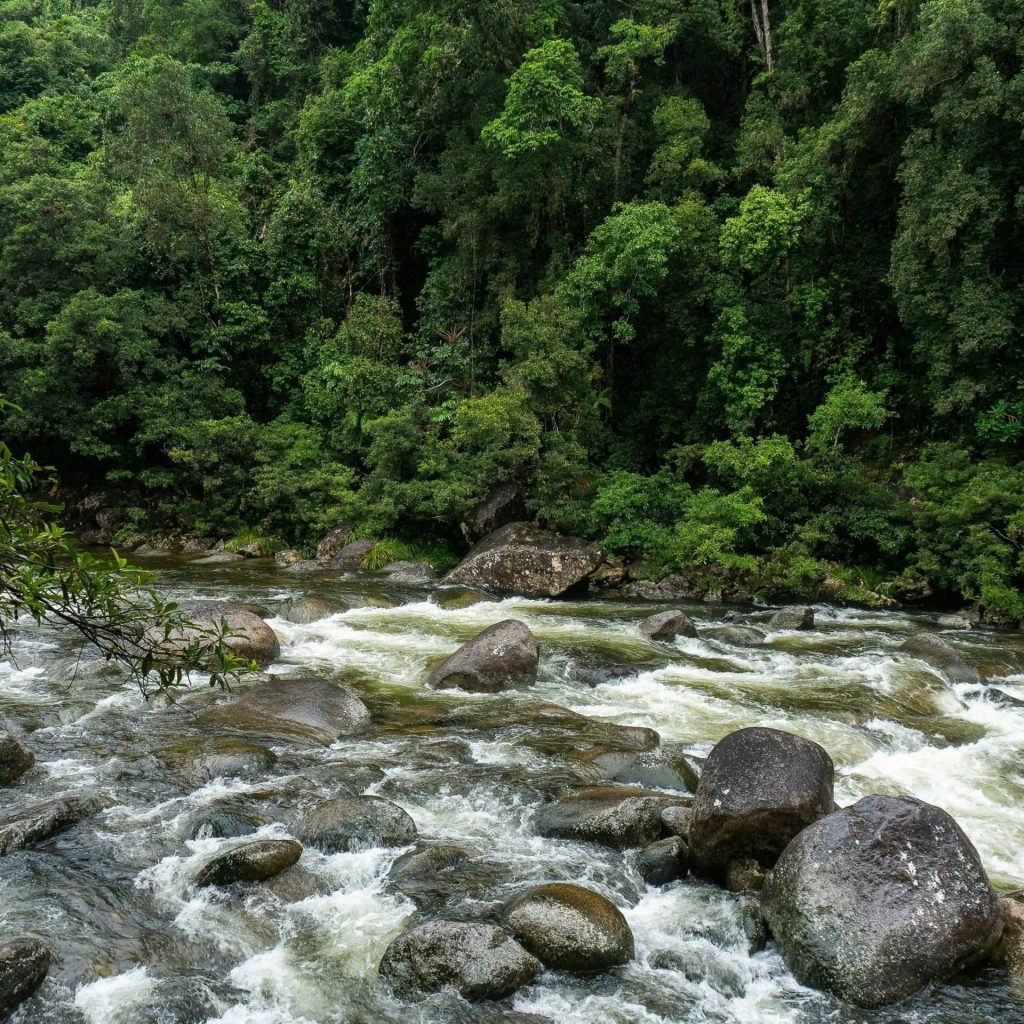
(251, 637)
(502, 506)
(427, 862)
(755, 926)
(668, 625)
(285, 558)
(37, 823)
(737, 636)
(356, 823)
(877, 900)
(197, 761)
(23, 967)
(333, 542)
(480, 961)
(15, 758)
(353, 554)
(198, 545)
(221, 558)
(1009, 953)
(936, 651)
(569, 928)
(251, 862)
(759, 788)
(744, 876)
(792, 618)
(304, 610)
(665, 767)
(410, 572)
(493, 1013)
(600, 675)
(676, 821)
(454, 598)
(663, 861)
(225, 821)
(617, 816)
(305, 710)
(503, 657)
(521, 559)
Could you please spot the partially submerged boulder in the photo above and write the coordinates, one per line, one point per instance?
(665, 767)
(877, 900)
(250, 637)
(737, 636)
(617, 816)
(310, 608)
(663, 861)
(480, 961)
(355, 823)
(570, 928)
(24, 964)
(197, 761)
(668, 625)
(15, 758)
(792, 618)
(938, 652)
(37, 823)
(250, 862)
(305, 710)
(503, 657)
(759, 788)
(353, 554)
(522, 559)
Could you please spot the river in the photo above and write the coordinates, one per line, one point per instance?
(136, 943)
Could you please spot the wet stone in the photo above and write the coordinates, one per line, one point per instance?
(934, 650)
(792, 618)
(676, 821)
(225, 821)
(15, 758)
(480, 961)
(570, 928)
(199, 761)
(428, 862)
(24, 964)
(668, 625)
(663, 861)
(502, 657)
(251, 862)
(35, 824)
(250, 637)
(665, 767)
(305, 610)
(356, 823)
(744, 875)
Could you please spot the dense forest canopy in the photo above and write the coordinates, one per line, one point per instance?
(734, 287)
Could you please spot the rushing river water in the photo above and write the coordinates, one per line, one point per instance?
(136, 943)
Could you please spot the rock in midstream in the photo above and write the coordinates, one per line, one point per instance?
(570, 928)
(37, 823)
(250, 862)
(668, 625)
(936, 651)
(15, 758)
(759, 788)
(310, 608)
(306, 710)
(198, 761)
(355, 823)
(502, 657)
(617, 816)
(663, 861)
(522, 559)
(666, 767)
(24, 964)
(480, 961)
(877, 900)
(250, 638)
(792, 618)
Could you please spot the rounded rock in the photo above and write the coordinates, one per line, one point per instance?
(570, 928)
(503, 657)
(15, 758)
(668, 625)
(24, 964)
(357, 823)
(251, 862)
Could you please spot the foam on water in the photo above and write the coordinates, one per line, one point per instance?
(115, 1000)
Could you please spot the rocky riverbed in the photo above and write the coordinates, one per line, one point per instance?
(367, 804)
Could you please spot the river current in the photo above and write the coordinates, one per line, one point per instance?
(136, 943)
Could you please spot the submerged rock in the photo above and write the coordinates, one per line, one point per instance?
(428, 862)
(792, 618)
(663, 861)
(251, 637)
(569, 928)
(304, 610)
(453, 598)
(355, 823)
(934, 650)
(410, 572)
(225, 821)
(738, 636)
(617, 816)
(35, 824)
(197, 761)
(306, 710)
(875, 901)
(665, 767)
(221, 558)
(480, 961)
(24, 964)
(15, 758)
(759, 788)
(251, 862)
(504, 656)
(521, 559)
(668, 625)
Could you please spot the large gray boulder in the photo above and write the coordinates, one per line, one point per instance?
(570, 928)
(480, 961)
(250, 862)
(877, 900)
(356, 822)
(617, 816)
(792, 618)
(759, 788)
(15, 758)
(353, 554)
(668, 625)
(306, 710)
(938, 652)
(250, 637)
(23, 967)
(330, 544)
(522, 559)
(503, 657)
(502, 506)
(37, 823)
